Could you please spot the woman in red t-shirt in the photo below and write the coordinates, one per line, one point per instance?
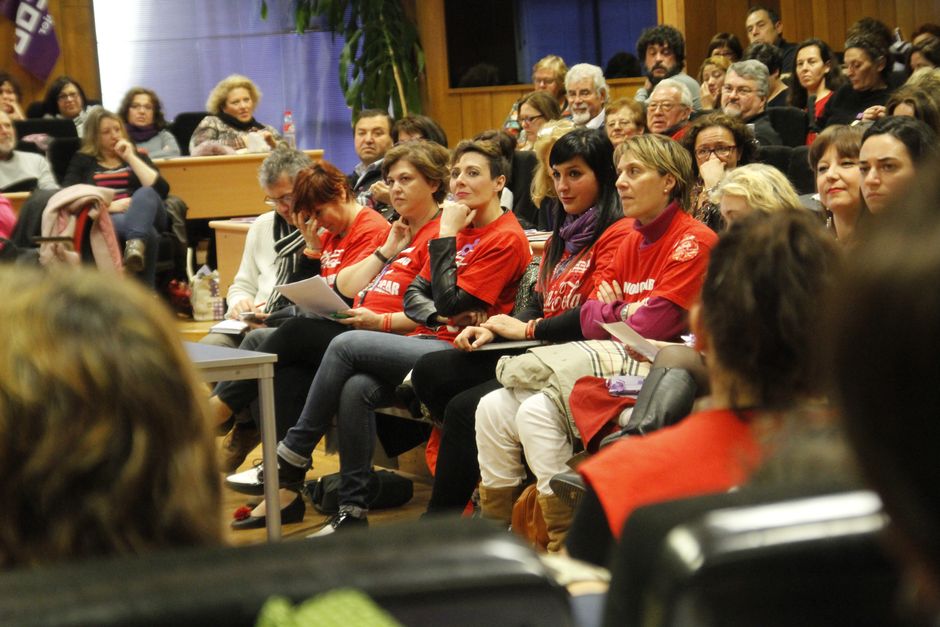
(759, 325)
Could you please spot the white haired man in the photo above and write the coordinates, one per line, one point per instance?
(587, 94)
(668, 108)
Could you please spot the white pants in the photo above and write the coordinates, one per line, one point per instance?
(510, 421)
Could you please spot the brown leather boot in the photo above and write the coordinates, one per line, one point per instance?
(557, 517)
(496, 503)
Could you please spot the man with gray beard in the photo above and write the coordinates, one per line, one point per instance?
(587, 94)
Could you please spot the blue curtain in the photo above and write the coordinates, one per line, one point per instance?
(182, 48)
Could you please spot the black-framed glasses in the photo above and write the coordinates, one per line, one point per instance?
(286, 200)
(529, 119)
(704, 152)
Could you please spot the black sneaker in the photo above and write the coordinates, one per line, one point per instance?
(251, 481)
(342, 522)
(569, 487)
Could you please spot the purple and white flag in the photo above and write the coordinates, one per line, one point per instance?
(36, 47)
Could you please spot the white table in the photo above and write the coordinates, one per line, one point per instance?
(218, 363)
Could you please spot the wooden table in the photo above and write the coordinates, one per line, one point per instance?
(16, 199)
(219, 186)
(229, 244)
(218, 363)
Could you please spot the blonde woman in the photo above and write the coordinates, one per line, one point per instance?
(101, 419)
(711, 76)
(548, 75)
(231, 120)
(754, 187)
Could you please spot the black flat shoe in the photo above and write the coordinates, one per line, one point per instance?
(291, 513)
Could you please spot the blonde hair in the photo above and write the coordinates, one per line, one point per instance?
(542, 184)
(556, 65)
(105, 447)
(91, 132)
(666, 156)
(722, 63)
(221, 91)
(763, 187)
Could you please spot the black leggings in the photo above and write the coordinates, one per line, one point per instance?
(451, 384)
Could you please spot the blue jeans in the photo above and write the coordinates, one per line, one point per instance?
(359, 372)
(145, 219)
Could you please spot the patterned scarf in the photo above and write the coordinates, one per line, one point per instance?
(577, 231)
(288, 242)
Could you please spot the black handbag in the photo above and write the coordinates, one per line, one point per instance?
(386, 490)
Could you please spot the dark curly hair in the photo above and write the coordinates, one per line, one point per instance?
(125, 107)
(662, 35)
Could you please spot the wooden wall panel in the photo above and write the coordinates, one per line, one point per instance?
(75, 27)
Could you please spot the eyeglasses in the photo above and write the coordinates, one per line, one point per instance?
(286, 200)
(704, 152)
(69, 95)
(614, 123)
(665, 107)
(741, 91)
(531, 118)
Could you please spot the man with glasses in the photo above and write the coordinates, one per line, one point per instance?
(274, 247)
(668, 109)
(587, 94)
(744, 95)
(662, 51)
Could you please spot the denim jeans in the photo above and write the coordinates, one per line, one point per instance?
(359, 372)
(144, 219)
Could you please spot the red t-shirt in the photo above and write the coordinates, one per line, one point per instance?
(574, 277)
(673, 267)
(386, 292)
(490, 261)
(710, 451)
(368, 230)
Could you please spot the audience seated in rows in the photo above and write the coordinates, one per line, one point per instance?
(770, 56)
(548, 75)
(231, 126)
(817, 76)
(725, 45)
(624, 118)
(142, 113)
(668, 109)
(867, 70)
(17, 166)
(535, 109)
(662, 49)
(764, 26)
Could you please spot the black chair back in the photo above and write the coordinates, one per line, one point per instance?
(799, 171)
(61, 151)
(445, 572)
(183, 126)
(791, 123)
(53, 127)
(806, 561)
(520, 184)
(777, 156)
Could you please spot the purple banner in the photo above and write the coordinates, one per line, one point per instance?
(36, 47)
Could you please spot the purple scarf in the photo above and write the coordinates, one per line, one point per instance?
(141, 133)
(576, 231)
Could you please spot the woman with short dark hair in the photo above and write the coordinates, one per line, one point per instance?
(142, 113)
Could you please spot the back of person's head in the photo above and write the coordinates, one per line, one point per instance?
(50, 103)
(919, 139)
(105, 447)
(846, 139)
(158, 120)
(918, 101)
(421, 126)
(763, 187)
(489, 149)
(666, 156)
(885, 329)
(282, 161)
(542, 184)
(726, 40)
(429, 158)
(768, 278)
(768, 54)
(663, 35)
(623, 65)
(320, 183)
(926, 80)
(91, 136)
(216, 100)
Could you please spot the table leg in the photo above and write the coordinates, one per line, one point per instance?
(269, 450)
